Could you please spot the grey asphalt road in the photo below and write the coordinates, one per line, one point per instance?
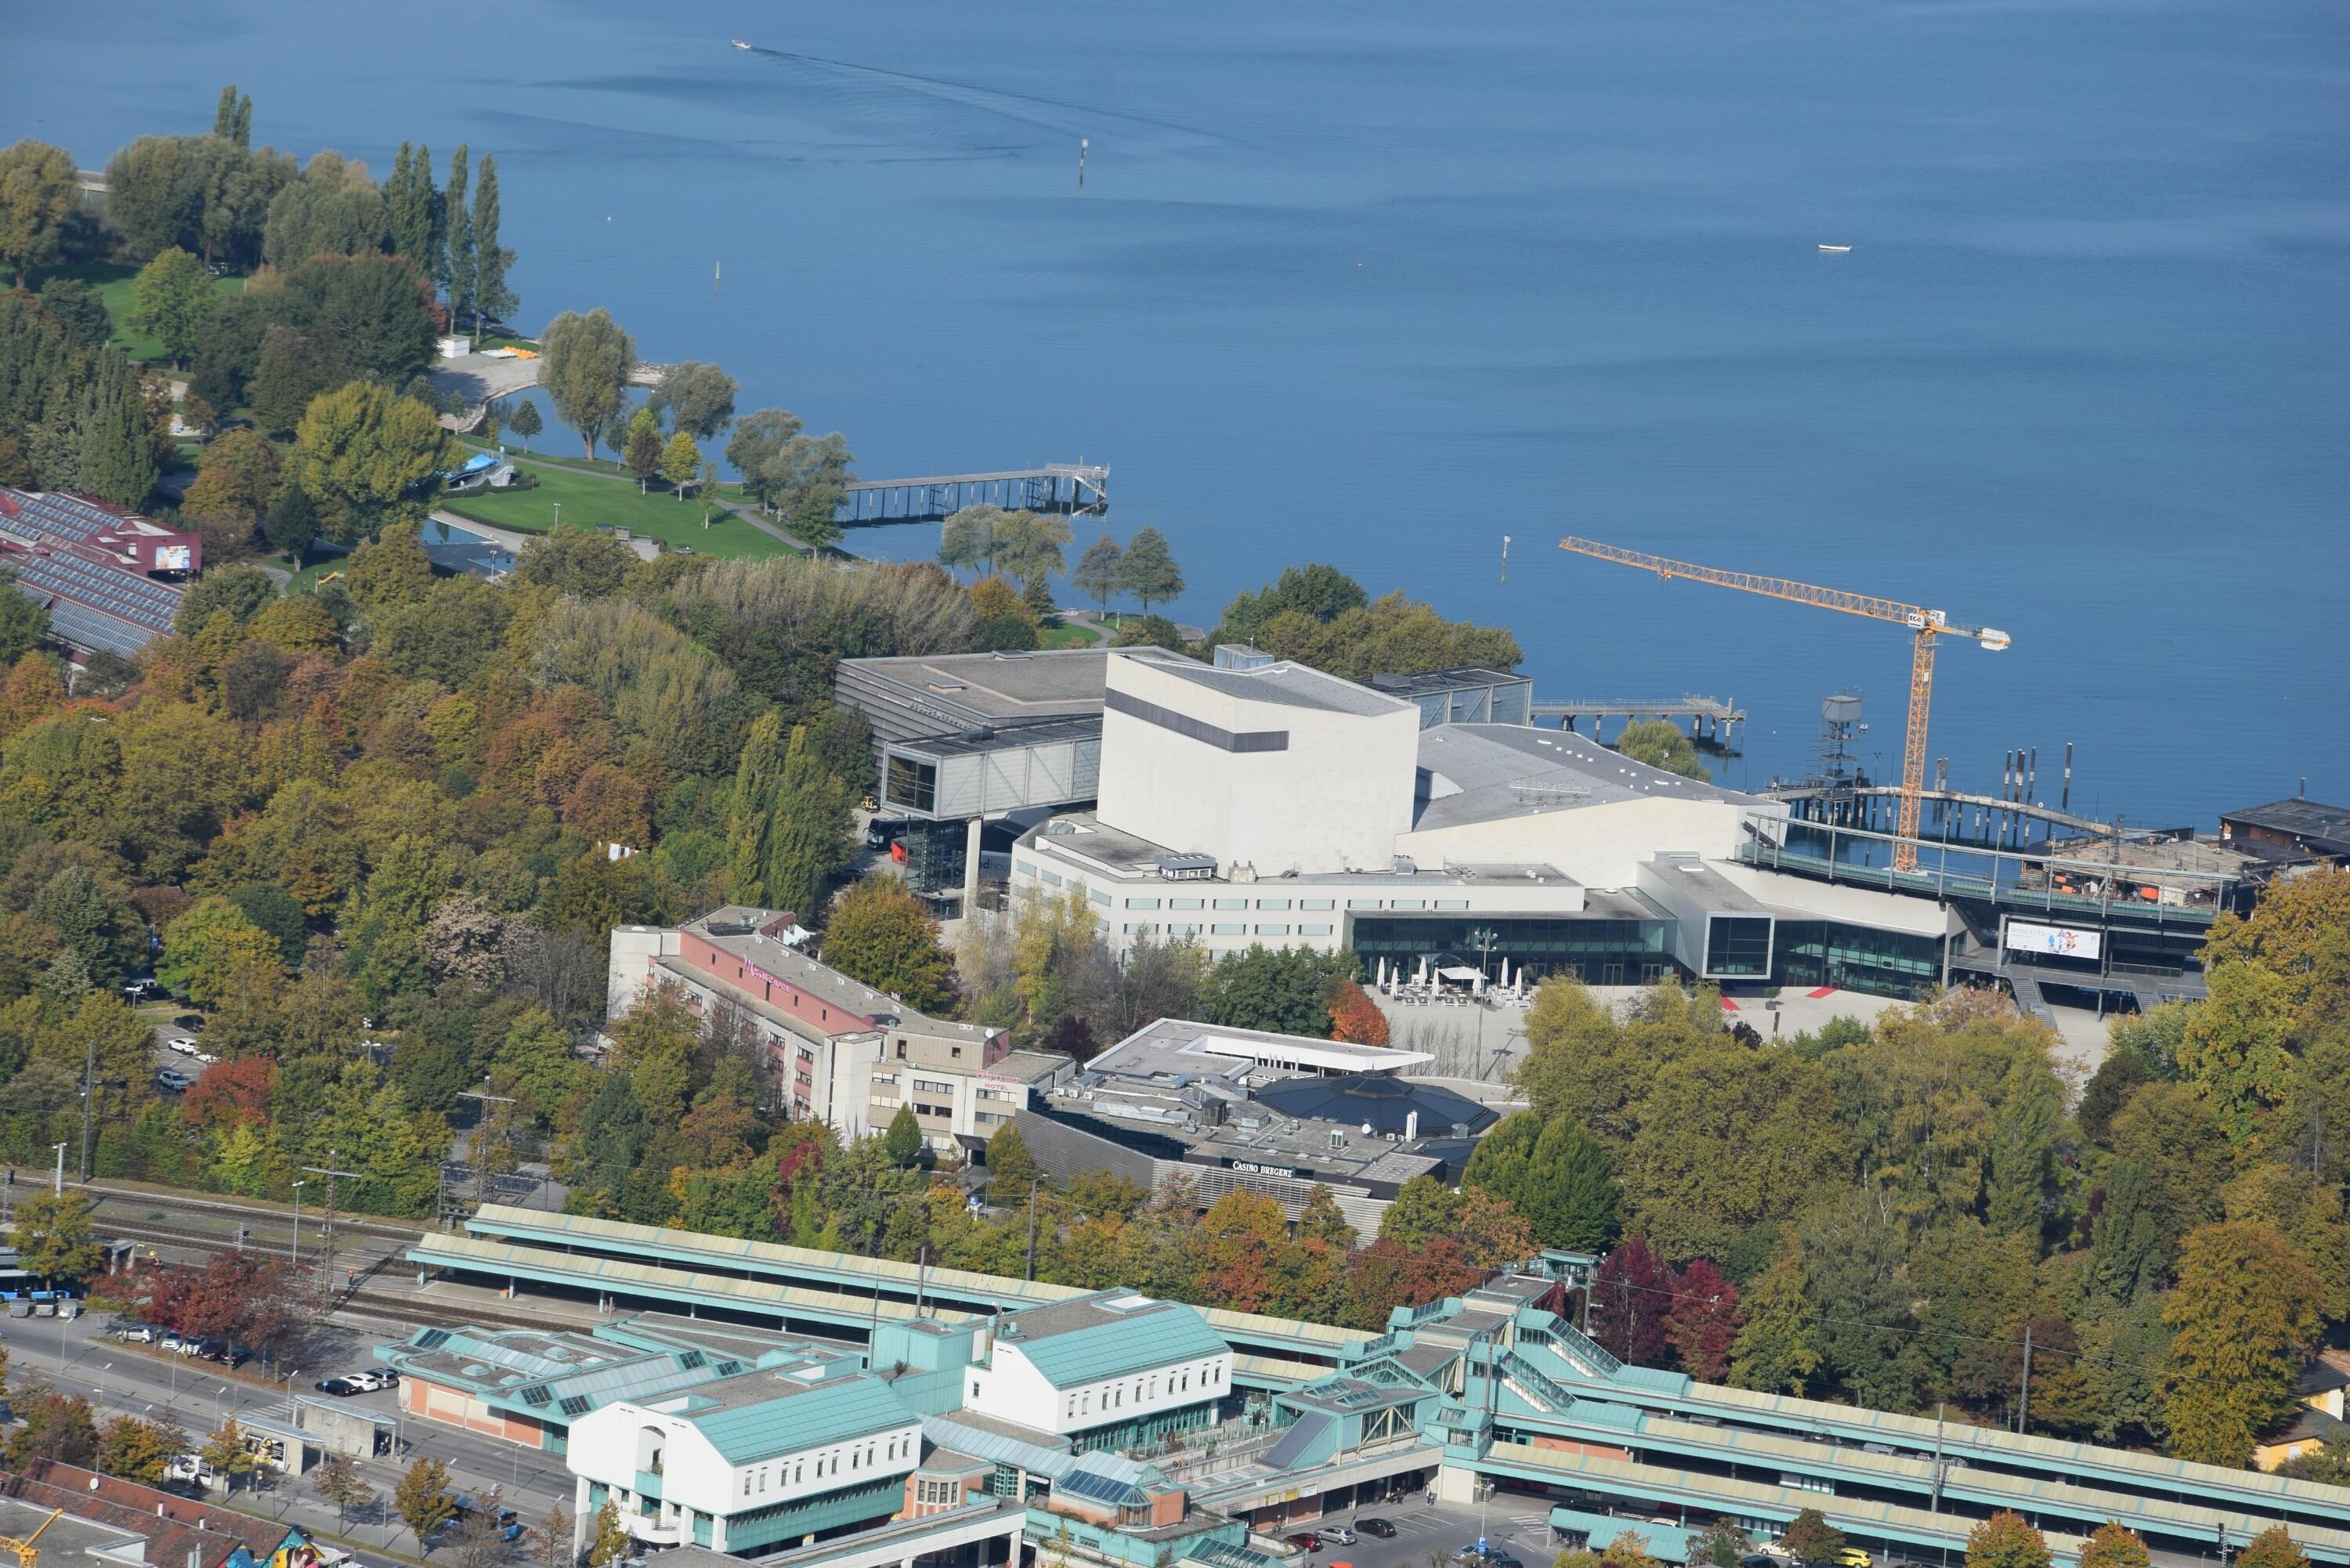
(80, 1358)
(1428, 1535)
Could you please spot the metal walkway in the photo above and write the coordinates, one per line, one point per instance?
(1078, 489)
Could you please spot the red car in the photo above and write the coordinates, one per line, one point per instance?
(1305, 1540)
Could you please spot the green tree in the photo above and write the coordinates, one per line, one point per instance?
(76, 306)
(211, 948)
(169, 299)
(1029, 545)
(23, 619)
(291, 522)
(586, 375)
(492, 297)
(903, 1142)
(758, 441)
(233, 120)
(2006, 1540)
(53, 1236)
(422, 1500)
(276, 912)
(1010, 1167)
(1812, 1539)
(880, 933)
(118, 449)
(1148, 570)
(679, 461)
(408, 200)
(643, 453)
(1096, 576)
(39, 190)
(377, 310)
(1556, 1174)
(699, 398)
(2113, 1544)
(525, 421)
(2242, 1318)
(456, 272)
(1729, 1140)
(1660, 743)
(57, 1426)
(291, 368)
(1278, 989)
(136, 1450)
(368, 458)
(1773, 1353)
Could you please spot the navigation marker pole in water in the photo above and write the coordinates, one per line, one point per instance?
(1084, 143)
(1505, 543)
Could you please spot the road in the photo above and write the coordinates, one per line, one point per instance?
(78, 1357)
(1427, 1535)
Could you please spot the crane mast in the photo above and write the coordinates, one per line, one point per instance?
(1925, 625)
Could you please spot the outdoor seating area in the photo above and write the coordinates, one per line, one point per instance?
(1442, 980)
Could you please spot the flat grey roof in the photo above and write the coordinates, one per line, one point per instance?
(1043, 684)
(1005, 737)
(1719, 894)
(1466, 678)
(1173, 1048)
(1479, 773)
(1126, 854)
(1290, 685)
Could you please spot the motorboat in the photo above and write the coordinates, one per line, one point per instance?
(1833, 250)
(738, 43)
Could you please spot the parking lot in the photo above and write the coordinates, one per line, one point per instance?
(1427, 1535)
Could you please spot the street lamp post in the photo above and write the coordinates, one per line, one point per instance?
(59, 1188)
(102, 1371)
(297, 1224)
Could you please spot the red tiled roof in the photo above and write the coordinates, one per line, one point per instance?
(173, 1525)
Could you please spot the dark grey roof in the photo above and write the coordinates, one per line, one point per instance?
(2322, 828)
(1386, 1102)
(1467, 678)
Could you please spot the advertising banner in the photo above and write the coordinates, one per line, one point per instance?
(2057, 941)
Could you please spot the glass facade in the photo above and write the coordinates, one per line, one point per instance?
(1738, 946)
(1599, 951)
(911, 785)
(1857, 958)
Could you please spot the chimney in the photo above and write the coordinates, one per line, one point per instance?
(1411, 1126)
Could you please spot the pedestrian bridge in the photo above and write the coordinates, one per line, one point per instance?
(1074, 488)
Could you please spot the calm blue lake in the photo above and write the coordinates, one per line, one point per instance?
(1377, 284)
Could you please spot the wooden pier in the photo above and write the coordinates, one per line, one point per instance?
(1071, 488)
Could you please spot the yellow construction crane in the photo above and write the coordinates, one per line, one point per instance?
(25, 1556)
(1927, 624)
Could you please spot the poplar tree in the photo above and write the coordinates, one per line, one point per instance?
(456, 260)
(492, 297)
(408, 198)
(233, 120)
(118, 449)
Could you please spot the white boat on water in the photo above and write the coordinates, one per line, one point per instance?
(738, 43)
(1833, 250)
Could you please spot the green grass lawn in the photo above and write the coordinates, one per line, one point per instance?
(111, 283)
(1071, 634)
(589, 502)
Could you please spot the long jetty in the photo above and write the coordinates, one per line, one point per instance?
(1701, 711)
(1073, 488)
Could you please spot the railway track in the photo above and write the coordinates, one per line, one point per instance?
(253, 1216)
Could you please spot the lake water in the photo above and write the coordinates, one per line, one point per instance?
(1377, 284)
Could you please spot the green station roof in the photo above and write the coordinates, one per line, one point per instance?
(750, 1424)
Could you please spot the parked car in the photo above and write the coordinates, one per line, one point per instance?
(172, 1081)
(1379, 1527)
(1338, 1535)
(1497, 1558)
(1851, 1557)
(340, 1387)
(182, 1044)
(883, 831)
(190, 1467)
(134, 1333)
(172, 1342)
(370, 1379)
(207, 1058)
(1305, 1540)
(193, 1023)
(507, 1522)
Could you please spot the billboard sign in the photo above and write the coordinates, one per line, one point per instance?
(2057, 941)
(174, 558)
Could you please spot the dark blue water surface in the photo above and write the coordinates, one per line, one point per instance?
(1375, 283)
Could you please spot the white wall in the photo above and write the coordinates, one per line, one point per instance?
(1333, 800)
(1842, 901)
(1598, 845)
(1010, 1388)
(634, 948)
(607, 1445)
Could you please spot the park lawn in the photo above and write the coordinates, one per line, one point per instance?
(589, 502)
(111, 282)
(1070, 634)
